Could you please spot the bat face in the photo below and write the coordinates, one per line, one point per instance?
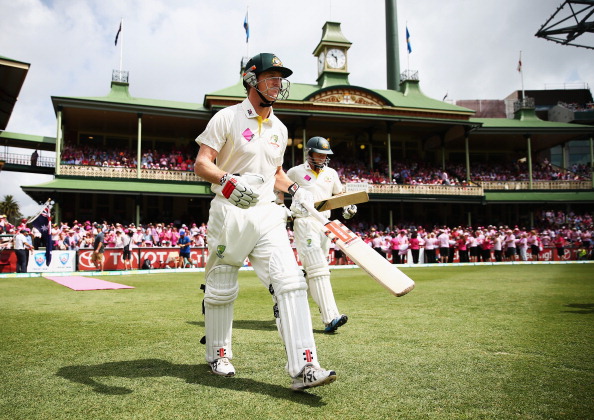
(342, 200)
(341, 232)
(363, 255)
(368, 259)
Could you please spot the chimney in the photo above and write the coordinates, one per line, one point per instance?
(392, 53)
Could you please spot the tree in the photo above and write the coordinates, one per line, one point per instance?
(10, 208)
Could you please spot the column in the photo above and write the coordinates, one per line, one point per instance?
(467, 155)
(389, 142)
(59, 141)
(529, 159)
(138, 148)
(592, 160)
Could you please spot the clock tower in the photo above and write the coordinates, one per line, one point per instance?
(331, 54)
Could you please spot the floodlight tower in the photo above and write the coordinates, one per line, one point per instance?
(566, 25)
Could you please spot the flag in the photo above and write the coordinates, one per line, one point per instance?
(43, 223)
(408, 41)
(445, 97)
(520, 63)
(118, 34)
(246, 26)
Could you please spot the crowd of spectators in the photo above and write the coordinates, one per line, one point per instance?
(405, 172)
(175, 160)
(479, 243)
(518, 171)
(577, 107)
(443, 244)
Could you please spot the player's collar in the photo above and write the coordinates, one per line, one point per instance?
(250, 112)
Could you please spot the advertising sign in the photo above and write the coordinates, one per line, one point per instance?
(62, 261)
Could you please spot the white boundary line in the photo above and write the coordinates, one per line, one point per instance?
(248, 268)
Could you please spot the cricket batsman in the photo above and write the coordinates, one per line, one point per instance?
(313, 245)
(241, 154)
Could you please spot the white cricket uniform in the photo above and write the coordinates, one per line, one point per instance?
(312, 244)
(247, 145)
(322, 186)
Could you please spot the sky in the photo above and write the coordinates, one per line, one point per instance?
(180, 50)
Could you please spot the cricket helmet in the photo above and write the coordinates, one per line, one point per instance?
(259, 64)
(321, 145)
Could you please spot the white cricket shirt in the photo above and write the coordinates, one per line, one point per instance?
(246, 144)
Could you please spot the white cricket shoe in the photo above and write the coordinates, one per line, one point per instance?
(222, 367)
(312, 376)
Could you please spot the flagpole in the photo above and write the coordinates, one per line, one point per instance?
(122, 45)
(521, 75)
(47, 203)
(247, 34)
(408, 50)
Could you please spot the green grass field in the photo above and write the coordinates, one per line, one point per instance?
(481, 342)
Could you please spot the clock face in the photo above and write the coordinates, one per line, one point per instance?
(321, 59)
(336, 58)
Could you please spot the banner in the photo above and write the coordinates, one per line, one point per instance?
(62, 261)
(159, 257)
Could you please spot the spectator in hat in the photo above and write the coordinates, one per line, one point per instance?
(4, 224)
(71, 241)
(184, 242)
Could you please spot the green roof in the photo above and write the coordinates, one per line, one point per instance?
(13, 60)
(527, 118)
(518, 124)
(119, 94)
(27, 141)
(120, 186)
(27, 137)
(412, 97)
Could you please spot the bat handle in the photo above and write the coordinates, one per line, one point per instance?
(316, 214)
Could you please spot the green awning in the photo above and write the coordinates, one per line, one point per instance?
(118, 186)
(540, 197)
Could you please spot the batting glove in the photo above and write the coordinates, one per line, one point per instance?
(238, 192)
(300, 195)
(349, 211)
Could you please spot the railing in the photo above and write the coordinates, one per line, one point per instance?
(426, 189)
(20, 159)
(477, 189)
(536, 185)
(119, 76)
(129, 173)
(524, 103)
(409, 75)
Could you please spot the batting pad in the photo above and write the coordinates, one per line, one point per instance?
(80, 283)
(295, 322)
(318, 278)
(220, 293)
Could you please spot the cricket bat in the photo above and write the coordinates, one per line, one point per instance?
(364, 256)
(341, 200)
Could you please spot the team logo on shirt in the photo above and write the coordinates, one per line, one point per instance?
(274, 141)
(220, 250)
(309, 242)
(247, 134)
